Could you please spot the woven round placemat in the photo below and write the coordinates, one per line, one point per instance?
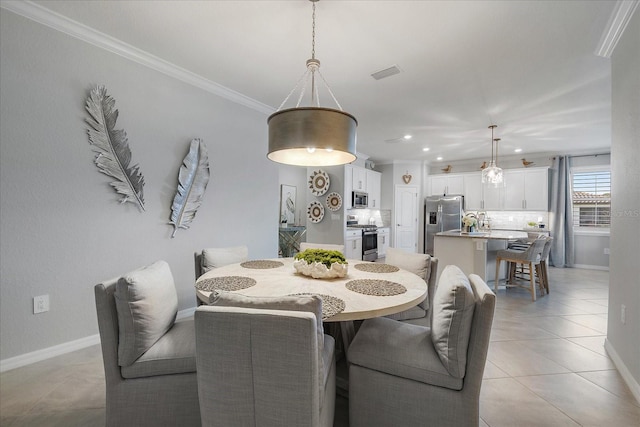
(261, 264)
(225, 283)
(382, 288)
(330, 305)
(377, 268)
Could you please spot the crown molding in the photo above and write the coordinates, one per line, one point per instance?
(618, 21)
(87, 34)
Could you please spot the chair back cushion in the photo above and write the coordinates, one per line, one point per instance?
(311, 303)
(219, 257)
(147, 305)
(418, 264)
(453, 305)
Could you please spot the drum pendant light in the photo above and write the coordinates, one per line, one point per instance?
(492, 174)
(312, 136)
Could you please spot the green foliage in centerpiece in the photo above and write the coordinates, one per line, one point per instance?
(323, 256)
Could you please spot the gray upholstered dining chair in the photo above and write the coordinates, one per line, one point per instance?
(264, 362)
(409, 375)
(422, 265)
(327, 246)
(149, 359)
(219, 257)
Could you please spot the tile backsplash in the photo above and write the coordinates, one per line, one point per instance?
(517, 219)
(381, 218)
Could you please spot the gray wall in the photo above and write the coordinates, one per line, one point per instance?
(61, 225)
(331, 228)
(624, 285)
(589, 251)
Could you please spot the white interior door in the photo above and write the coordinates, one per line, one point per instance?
(406, 218)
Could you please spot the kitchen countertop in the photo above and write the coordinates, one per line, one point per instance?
(490, 234)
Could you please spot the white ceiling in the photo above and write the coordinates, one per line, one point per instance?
(527, 66)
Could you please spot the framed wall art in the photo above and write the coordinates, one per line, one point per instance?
(287, 205)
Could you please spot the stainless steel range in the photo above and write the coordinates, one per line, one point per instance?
(369, 240)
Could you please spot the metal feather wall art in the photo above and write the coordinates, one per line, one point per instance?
(192, 183)
(112, 147)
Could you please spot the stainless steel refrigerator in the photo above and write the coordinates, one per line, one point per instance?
(441, 213)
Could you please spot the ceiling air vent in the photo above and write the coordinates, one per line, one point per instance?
(398, 140)
(386, 72)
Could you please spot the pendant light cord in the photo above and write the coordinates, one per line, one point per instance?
(313, 31)
(492, 127)
(313, 66)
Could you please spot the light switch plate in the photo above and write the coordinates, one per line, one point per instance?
(40, 304)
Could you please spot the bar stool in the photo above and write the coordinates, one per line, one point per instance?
(543, 263)
(530, 257)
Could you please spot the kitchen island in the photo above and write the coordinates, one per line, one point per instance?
(474, 253)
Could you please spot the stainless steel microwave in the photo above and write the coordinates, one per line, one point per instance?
(360, 200)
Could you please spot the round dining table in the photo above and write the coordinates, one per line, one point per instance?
(368, 290)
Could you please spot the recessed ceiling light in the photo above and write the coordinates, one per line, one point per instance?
(425, 149)
(517, 150)
(439, 158)
(407, 137)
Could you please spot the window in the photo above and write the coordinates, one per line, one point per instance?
(591, 198)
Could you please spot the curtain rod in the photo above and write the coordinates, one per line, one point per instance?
(592, 155)
(585, 155)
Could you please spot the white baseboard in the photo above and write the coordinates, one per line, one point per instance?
(591, 267)
(68, 347)
(47, 353)
(633, 385)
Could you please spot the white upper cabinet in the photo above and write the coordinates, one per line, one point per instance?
(473, 198)
(373, 188)
(348, 186)
(446, 184)
(480, 197)
(359, 176)
(526, 189)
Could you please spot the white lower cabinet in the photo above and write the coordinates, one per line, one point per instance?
(353, 244)
(383, 241)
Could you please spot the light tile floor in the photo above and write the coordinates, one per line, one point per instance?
(546, 367)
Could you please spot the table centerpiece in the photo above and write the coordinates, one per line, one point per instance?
(321, 263)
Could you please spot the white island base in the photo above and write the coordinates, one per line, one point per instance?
(474, 253)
